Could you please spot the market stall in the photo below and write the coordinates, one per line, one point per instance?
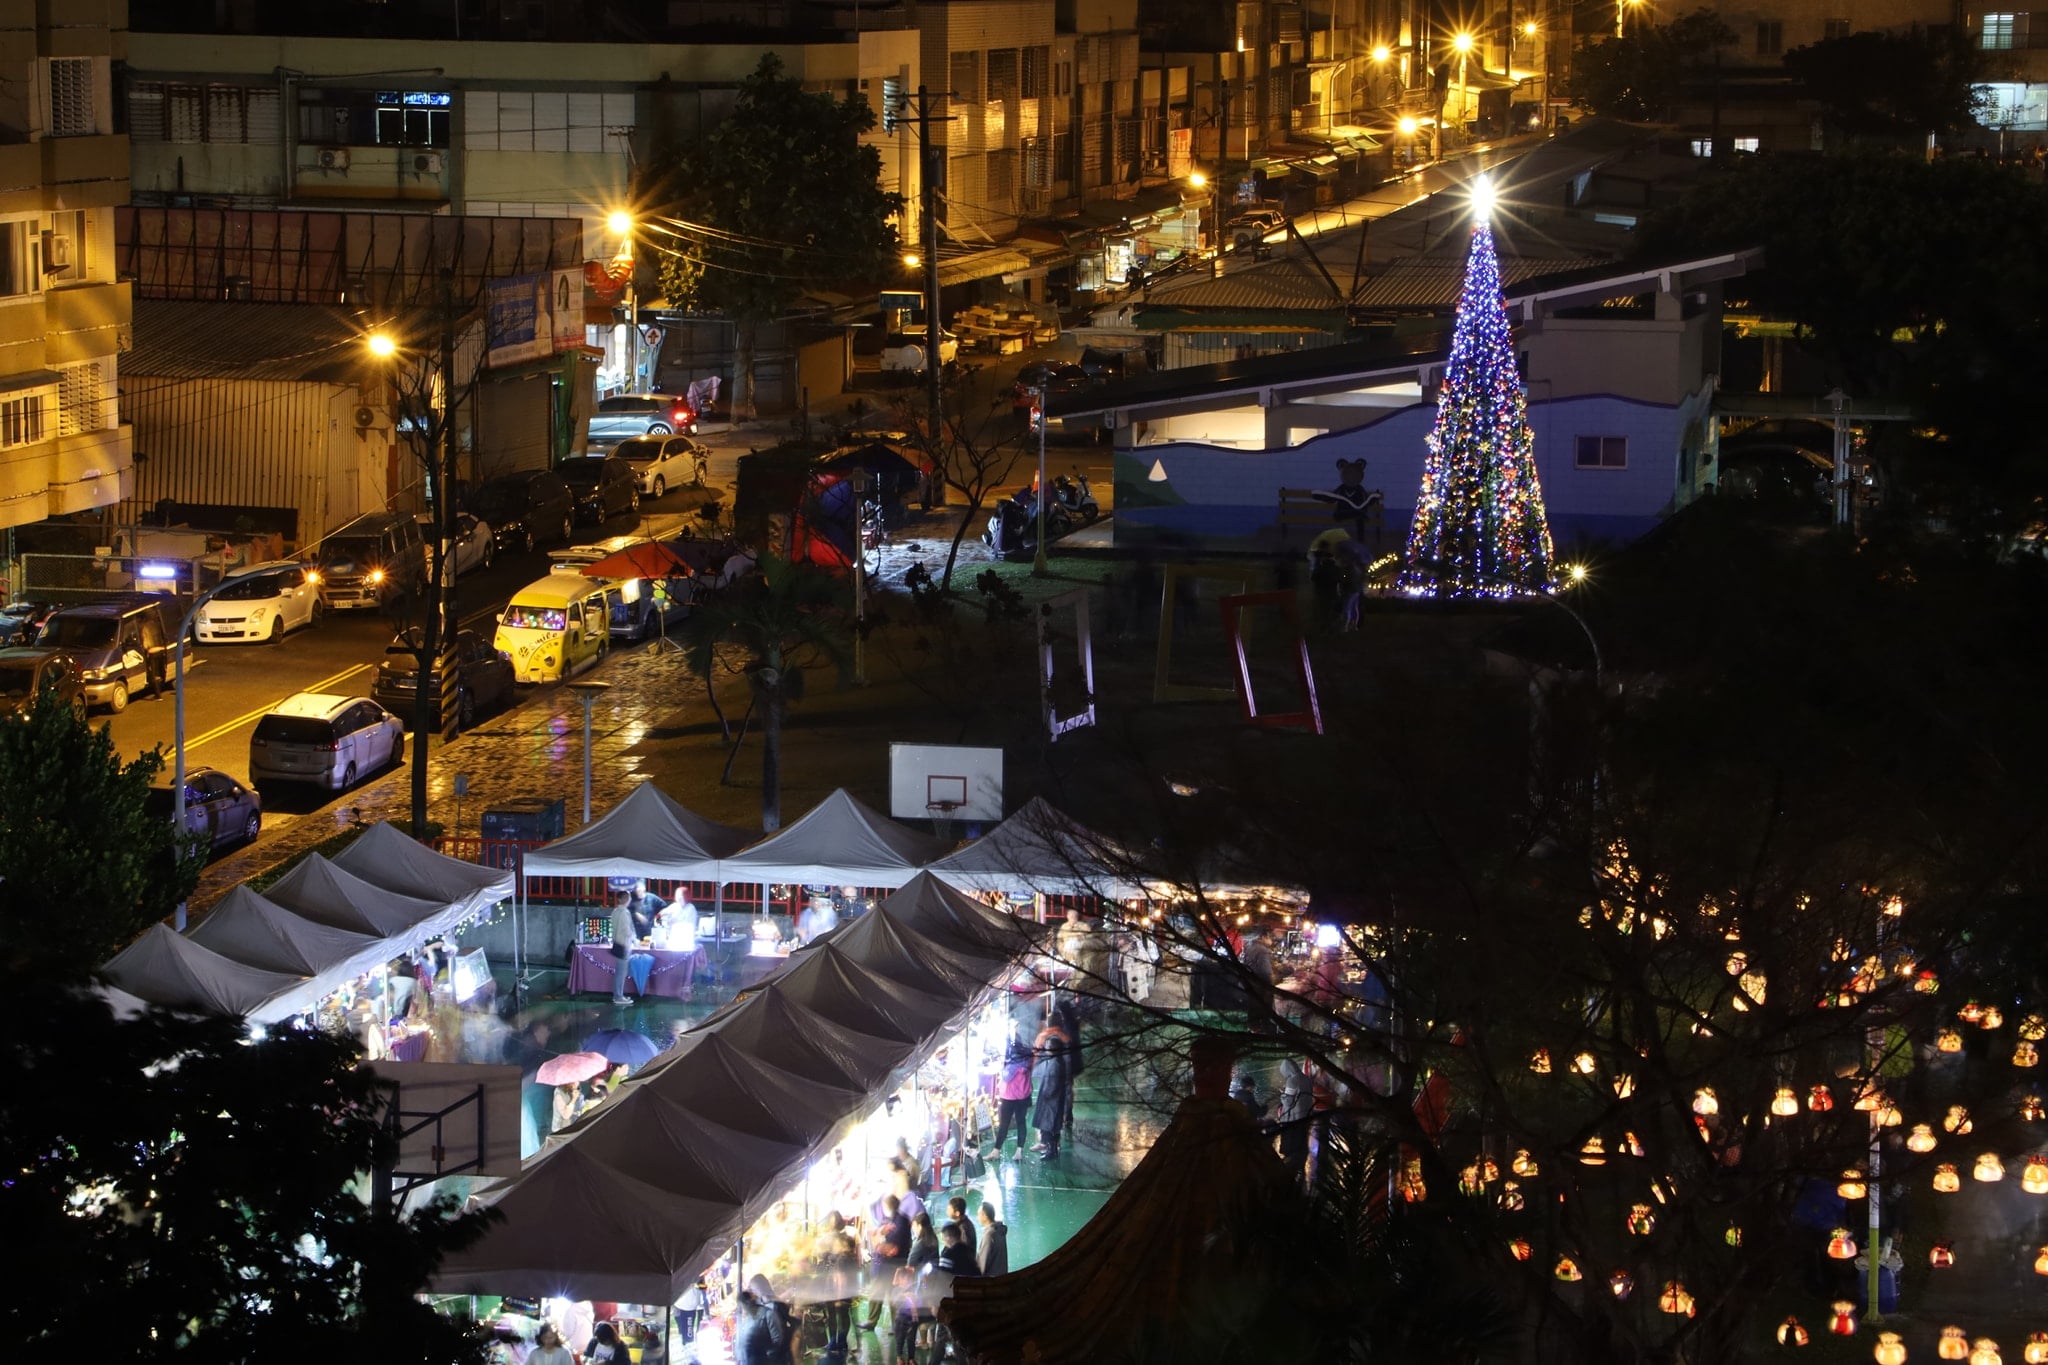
(837, 841)
(166, 968)
(1040, 851)
(649, 834)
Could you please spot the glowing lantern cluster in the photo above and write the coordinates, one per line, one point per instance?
(2041, 1262)
(1621, 1284)
(1785, 1102)
(1675, 1300)
(1520, 1249)
(1942, 1255)
(2026, 1055)
(1539, 1061)
(1523, 1165)
(1568, 1270)
(1792, 1333)
(1954, 1344)
(2031, 1110)
(1641, 1222)
(1594, 1153)
(1841, 1246)
(1413, 1189)
(1852, 1186)
(1705, 1103)
(1989, 1168)
(2036, 1352)
(2034, 1175)
(1948, 1040)
(1820, 1099)
(1922, 1139)
(1842, 1322)
(1957, 1120)
(1889, 1350)
(1984, 1351)
(1946, 1181)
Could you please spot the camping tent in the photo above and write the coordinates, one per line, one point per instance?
(709, 1135)
(165, 968)
(838, 842)
(1039, 849)
(649, 834)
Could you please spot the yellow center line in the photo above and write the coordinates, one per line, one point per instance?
(247, 716)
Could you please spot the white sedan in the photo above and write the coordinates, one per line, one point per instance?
(663, 462)
(473, 541)
(259, 604)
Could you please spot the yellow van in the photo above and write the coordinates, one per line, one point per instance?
(555, 627)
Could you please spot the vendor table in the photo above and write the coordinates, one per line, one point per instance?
(412, 1047)
(674, 974)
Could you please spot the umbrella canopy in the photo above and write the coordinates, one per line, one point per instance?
(571, 1068)
(622, 1045)
(651, 560)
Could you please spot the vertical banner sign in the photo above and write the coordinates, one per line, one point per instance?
(1180, 152)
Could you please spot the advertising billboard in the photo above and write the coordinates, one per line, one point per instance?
(533, 317)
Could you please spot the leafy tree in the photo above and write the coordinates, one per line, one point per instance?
(85, 867)
(178, 1192)
(783, 197)
(1892, 85)
(1640, 77)
(769, 627)
(975, 453)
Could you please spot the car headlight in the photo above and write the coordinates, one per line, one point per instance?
(375, 577)
(256, 613)
(313, 577)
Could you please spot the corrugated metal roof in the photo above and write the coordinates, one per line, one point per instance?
(214, 339)
(1434, 281)
(1290, 283)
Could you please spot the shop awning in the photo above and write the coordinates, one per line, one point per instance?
(980, 265)
(649, 834)
(634, 1201)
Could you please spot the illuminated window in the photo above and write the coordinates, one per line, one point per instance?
(1749, 144)
(1703, 146)
(1999, 32)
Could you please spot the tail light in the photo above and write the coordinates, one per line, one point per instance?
(681, 415)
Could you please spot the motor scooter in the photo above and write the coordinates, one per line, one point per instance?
(1076, 498)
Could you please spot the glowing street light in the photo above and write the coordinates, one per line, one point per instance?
(1198, 180)
(619, 223)
(1621, 16)
(912, 259)
(1382, 53)
(381, 345)
(1482, 209)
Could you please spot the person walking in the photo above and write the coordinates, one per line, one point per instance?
(623, 936)
(838, 1261)
(760, 1333)
(993, 1250)
(1051, 1081)
(1013, 1091)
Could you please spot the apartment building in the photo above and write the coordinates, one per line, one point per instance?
(989, 66)
(64, 317)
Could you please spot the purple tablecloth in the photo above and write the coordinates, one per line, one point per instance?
(411, 1048)
(591, 966)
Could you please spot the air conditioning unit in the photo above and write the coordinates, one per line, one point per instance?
(427, 163)
(56, 253)
(334, 158)
(366, 417)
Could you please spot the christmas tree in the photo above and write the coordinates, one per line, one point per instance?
(1479, 527)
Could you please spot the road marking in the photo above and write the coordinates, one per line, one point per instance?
(228, 726)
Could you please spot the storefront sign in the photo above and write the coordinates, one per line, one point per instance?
(532, 317)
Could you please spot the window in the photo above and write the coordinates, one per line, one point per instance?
(21, 418)
(81, 398)
(523, 121)
(1749, 144)
(419, 118)
(892, 102)
(1703, 146)
(1034, 72)
(403, 118)
(1770, 38)
(1002, 176)
(1002, 74)
(1999, 32)
(1602, 452)
(967, 77)
(63, 246)
(18, 250)
(71, 102)
(1831, 29)
(1063, 79)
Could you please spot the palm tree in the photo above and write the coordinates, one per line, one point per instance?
(783, 617)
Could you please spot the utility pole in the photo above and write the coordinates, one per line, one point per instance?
(430, 680)
(928, 243)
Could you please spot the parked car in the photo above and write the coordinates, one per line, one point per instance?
(121, 644)
(218, 809)
(603, 487)
(474, 546)
(325, 740)
(528, 509)
(904, 350)
(483, 675)
(370, 561)
(24, 673)
(20, 622)
(662, 462)
(1056, 377)
(1249, 230)
(642, 414)
(260, 603)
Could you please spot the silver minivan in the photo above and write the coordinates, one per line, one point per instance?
(324, 740)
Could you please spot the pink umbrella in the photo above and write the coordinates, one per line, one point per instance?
(571, 1068)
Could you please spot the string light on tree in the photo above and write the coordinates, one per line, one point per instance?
(1480, 529)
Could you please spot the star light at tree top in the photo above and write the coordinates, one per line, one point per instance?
(1480, 528)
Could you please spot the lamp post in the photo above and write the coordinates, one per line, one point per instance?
(860, 480)
(620, 224)
(1409, 127)
(1462, 44)
(1038, 564)
(178, 723)
(587, 691)
(1620, 19)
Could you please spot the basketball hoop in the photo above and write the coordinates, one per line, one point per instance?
(940, 813)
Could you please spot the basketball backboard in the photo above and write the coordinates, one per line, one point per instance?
(945, 782)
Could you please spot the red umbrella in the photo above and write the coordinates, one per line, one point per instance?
(571, 1068)
(651, 560)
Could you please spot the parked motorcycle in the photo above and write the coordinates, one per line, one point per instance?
(1013, 526)
(1076, 497)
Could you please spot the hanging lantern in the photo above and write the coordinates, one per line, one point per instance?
(1584, 1063)
(1785, 1102)
(1992, 1019)
(1489, 1170)
(2034, 1175)
(1523, 1165)
(2037, 1349)
(1869, 1098)
(1984, 1351)
(1946, 1181)
(1852, 1186)
(1957, 1120)
(1842, 1322)
(1948, 1040)
(1733, 1236)
(1841, 1246)
(1520, 1249)
(1675, 1300)
(1888, 1115)
(1624, 1086)
(1468, 1180)
(1631, 1144)
(2034, 1028)
(1972, 1013)
(1568, 1270)
(1753, 985)
(2030, 1109)
(1889, 1350)
(1594, 1153)
(1792, 1333)
(2025, 1055)
(1621, 1284)
(2041, 1261)
(1641, 1221)
(1704, 1102)
(1539, 1061)
(1820, 1099)
(1922, 1139)
(1954, 1345)
(1413, 1190)
(1988, 1168)
(1511, 1196)
(1926, 982)
(1942, 1255)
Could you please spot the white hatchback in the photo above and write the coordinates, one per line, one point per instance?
(259, 604)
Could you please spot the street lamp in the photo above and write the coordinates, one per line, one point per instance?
(1409, 126)
(620, 224)
(587, 691)
(1462, 44)
(1621, 16)
(1038, 564)
(861, 480)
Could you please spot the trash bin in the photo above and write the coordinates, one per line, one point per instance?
(527, 820)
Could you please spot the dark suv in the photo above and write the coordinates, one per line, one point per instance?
(604, 485)
(528, 509)
(483, 674)
(24, 673)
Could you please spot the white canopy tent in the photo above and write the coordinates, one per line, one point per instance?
(165, 968)
(1040, 850)
(649, 834)
(637, 1199)
(838, 842)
